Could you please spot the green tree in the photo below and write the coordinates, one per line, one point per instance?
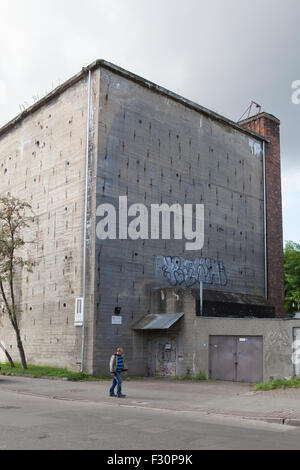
(292, 276)
(14, 219)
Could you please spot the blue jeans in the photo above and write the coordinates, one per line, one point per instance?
(117, 381)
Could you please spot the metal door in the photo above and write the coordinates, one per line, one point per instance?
(237, 358)
(222, 357)
(165, 356)
(249, 359)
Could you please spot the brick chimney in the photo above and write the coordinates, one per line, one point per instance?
(269, 127)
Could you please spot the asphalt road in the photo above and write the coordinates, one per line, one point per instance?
(34, 417)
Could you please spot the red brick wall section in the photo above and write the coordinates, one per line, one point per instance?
(269, 127)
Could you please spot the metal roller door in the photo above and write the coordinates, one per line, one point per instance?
(238, 358)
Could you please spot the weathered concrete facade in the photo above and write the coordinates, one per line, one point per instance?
(156, 150)
(194, 335)
(153, 147)
(43, 162)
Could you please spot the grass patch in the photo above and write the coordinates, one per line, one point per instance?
(294, 382)
(43, 371)
(199, 376)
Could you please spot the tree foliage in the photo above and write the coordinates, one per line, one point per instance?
(14, 219)
(292, 276)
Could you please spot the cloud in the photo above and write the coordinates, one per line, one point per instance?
(291, 203)
(219, 54)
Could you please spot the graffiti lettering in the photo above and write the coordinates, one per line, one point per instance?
(180, 272)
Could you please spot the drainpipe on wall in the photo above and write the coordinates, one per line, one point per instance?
(265, 221)
(85, 221)
(201, 298)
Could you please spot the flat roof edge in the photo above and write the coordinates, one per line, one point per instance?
(179, 98)
(38, 104)
(137, 79)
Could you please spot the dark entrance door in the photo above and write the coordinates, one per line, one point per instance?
(164, 351)
(238, 358)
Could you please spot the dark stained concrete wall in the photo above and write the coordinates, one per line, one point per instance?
(156, 150)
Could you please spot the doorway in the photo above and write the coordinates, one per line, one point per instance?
(236, 358)
(164, 356)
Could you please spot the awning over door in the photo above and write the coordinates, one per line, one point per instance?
(158, 321)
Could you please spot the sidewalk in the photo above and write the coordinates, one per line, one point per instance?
(208, 397)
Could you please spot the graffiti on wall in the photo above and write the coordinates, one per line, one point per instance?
(180, 272)
(165, 351)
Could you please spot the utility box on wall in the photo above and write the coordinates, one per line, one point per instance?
(79, 306)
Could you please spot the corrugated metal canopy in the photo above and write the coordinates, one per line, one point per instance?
(158, 322)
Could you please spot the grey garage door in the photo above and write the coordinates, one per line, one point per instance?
(237, 358)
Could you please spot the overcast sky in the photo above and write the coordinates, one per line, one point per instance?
(220, 53)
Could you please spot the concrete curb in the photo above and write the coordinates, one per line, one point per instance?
(30, 376)
(287, 421)
(292, 422)
(266, 419)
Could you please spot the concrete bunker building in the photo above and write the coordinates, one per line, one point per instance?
(107, 133)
